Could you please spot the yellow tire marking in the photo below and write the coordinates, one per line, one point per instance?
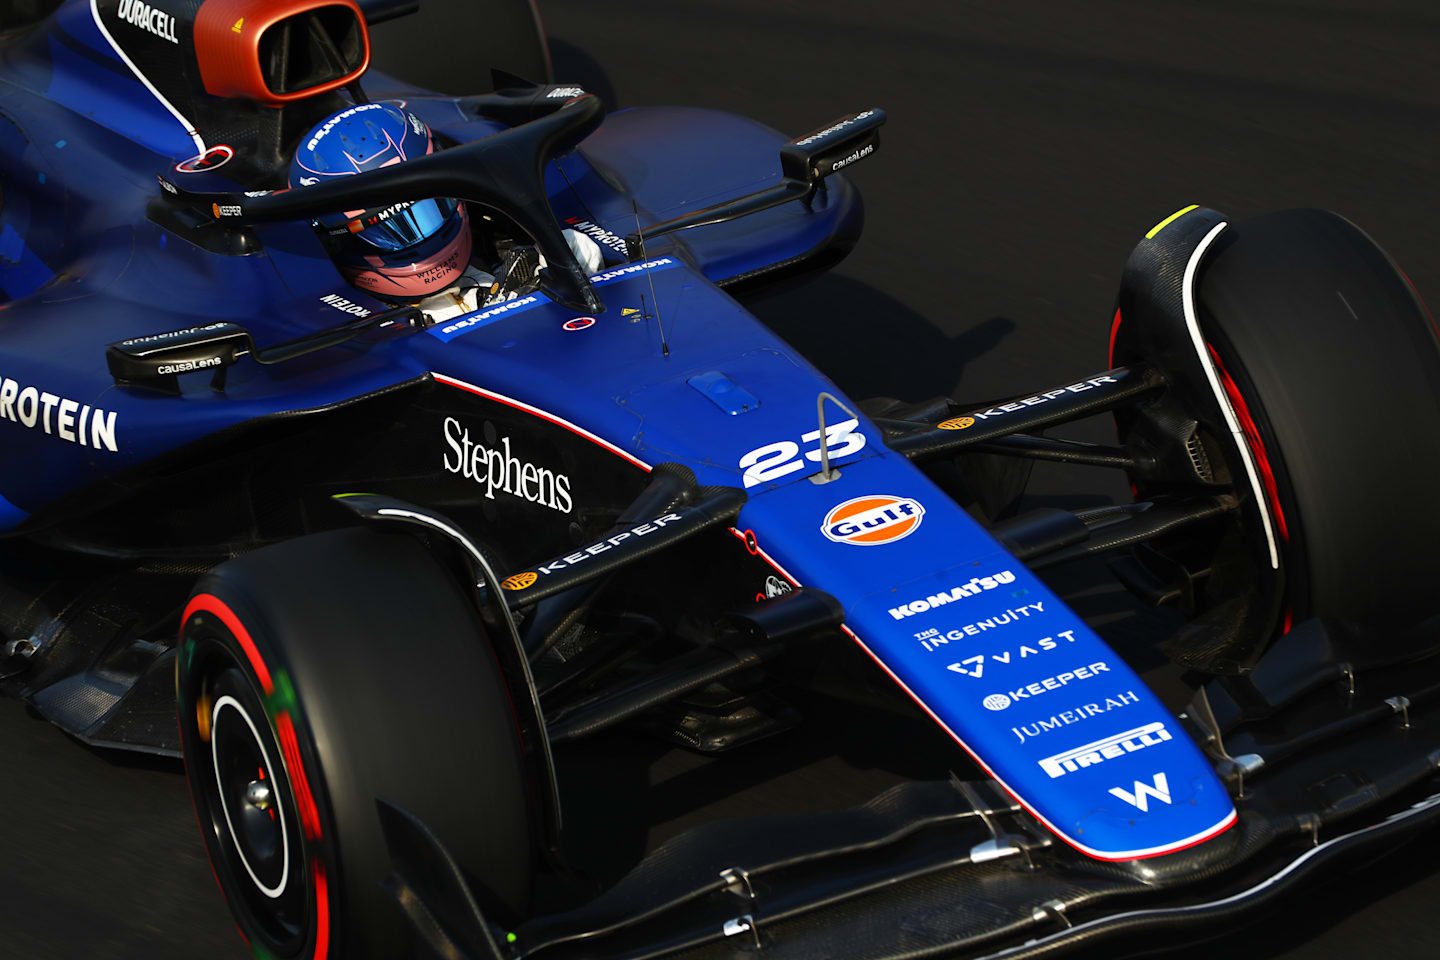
(1169, 220)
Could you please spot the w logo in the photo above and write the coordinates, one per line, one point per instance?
(1140, 799)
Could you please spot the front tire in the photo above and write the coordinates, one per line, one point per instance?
(314, 677)
(1337, 365)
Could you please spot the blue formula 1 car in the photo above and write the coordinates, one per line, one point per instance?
(402, 570)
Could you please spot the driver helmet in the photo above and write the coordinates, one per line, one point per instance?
(406, 251)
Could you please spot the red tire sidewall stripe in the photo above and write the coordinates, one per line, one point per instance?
(1252, 439)
(289, 747)
(214, 605)
(1114, 332)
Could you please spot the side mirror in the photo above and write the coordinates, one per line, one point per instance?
(820, 153)
(156, 360)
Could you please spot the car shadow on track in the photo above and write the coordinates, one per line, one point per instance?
(867, 341)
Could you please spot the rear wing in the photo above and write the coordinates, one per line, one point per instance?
(805, 162)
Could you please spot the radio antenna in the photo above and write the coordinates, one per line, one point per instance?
(639, 235)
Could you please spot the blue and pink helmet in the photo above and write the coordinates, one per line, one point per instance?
(406, 251)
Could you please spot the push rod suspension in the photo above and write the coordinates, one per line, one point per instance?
(1061, 451)
(1072, 401)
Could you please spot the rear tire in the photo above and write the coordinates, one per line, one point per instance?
(1338, 365)
(343, 667)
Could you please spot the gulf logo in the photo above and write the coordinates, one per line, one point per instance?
(872, 520)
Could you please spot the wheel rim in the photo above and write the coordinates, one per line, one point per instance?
(243, 774)
(253, 835)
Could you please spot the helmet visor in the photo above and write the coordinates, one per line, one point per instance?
(396, 228)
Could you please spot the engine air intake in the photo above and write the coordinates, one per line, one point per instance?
(276, 51)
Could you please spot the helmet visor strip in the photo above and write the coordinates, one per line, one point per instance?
(395, 228)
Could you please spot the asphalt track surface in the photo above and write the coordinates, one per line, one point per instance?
(1029, 145)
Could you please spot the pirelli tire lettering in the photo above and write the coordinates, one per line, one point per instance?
(70, 420)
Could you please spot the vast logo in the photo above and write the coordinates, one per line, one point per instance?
(976, 585)
(873, 520)
(999, 701)
(1091, 754)
(495, 470)
(1159, 788)
(782, 458)
(975, 666)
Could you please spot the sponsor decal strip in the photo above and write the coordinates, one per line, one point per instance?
(527, 579)
(1084, 711)
(959, 423)
(873, 520)
(344, 305)
(932, 639)
(1000, 701)
(536, 411)
(1110, 856)
(150, 19)
(495, 469)
(1117, 745)
(454, 328)
(189, 127)
(974, 586)
(338, 119)
(821, 134)
(600, 235)
(58, 416)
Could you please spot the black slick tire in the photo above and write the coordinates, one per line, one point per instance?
(345, 666)
(1337, 367)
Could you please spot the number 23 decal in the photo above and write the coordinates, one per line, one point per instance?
(775, 460)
